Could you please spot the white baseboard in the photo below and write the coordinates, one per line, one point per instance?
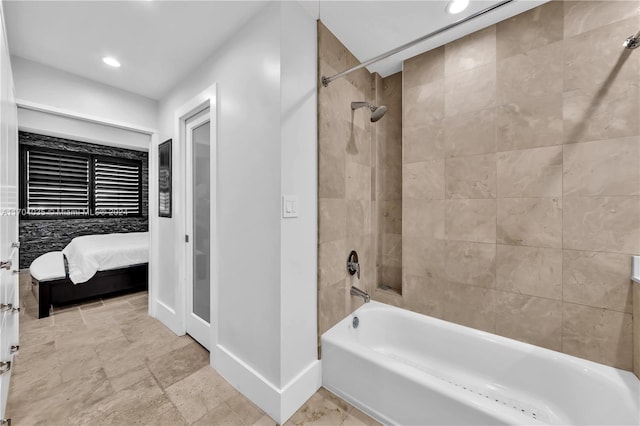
(168, 317)
(279, 404)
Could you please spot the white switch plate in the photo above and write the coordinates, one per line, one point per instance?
(290, 206)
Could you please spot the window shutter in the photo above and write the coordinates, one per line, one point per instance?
(57, 184)
(117, 187)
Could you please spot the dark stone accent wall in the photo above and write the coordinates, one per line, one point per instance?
(39, 236)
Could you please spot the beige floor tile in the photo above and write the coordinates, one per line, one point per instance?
(178, 364)
(194, 396)
(248, 412)
(222, 415)
(318, 411)
(110, 363)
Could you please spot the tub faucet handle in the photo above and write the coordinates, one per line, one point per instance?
(352, 263)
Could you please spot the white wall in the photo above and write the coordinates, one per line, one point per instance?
(246, 70)
(299, 177)
(266, 334)
(49, 86)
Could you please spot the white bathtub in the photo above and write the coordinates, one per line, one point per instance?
(404, 368)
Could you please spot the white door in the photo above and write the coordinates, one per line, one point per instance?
(8, 222)
(198, 226)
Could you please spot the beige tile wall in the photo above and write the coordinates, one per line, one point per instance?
(521, 179)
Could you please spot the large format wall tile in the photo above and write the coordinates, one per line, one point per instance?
(470, 263)
(423, 143)
(471, 220)
(529, 270)
(470, 133)
(423, 69)
(332, 301)
(358, 181)
(471, 177)
(602, 168)
(358, 215)
(331, 263)
(595, 61)
(529, 319)
(530, 173)
(423, 257)
(425, 295)
(535, 222)
(600, 280)
(332, 175)
(423, 105)
(582, 16)
(470, 90)
(470, 306)
(529, 30)
(424, 180)
(597, 334)
(423, 218)
(331, 219)
(470, 52)
(603, 115)
(530, 98)
(535, 73)
(610, 224)
(530, 121)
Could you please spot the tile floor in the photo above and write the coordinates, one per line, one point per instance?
(107, 362)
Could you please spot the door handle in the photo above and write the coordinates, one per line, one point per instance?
(14, 349)
(5, 307)
(6, 264)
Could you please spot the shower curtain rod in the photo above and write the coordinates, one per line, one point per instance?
(327, 80)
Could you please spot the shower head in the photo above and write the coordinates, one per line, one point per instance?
(377, 112)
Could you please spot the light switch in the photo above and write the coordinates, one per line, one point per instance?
(289, 206)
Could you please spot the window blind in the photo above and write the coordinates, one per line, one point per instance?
(57, 184)
(117, 187)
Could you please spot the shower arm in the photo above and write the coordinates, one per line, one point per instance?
(327, 80)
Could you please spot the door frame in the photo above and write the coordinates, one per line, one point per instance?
(203, 100)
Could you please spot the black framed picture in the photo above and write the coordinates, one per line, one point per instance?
(164, 179)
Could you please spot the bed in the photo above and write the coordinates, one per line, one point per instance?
(89, 267)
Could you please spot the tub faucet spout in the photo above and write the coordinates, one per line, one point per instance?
(355, 291)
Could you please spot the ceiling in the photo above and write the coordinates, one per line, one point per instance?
(157, 42)
(160, 42)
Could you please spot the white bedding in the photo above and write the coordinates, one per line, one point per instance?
(92, 253)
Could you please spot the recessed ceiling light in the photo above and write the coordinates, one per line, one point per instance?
(457, 6)
(112, 62)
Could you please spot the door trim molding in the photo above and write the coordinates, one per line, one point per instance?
(207, 98)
